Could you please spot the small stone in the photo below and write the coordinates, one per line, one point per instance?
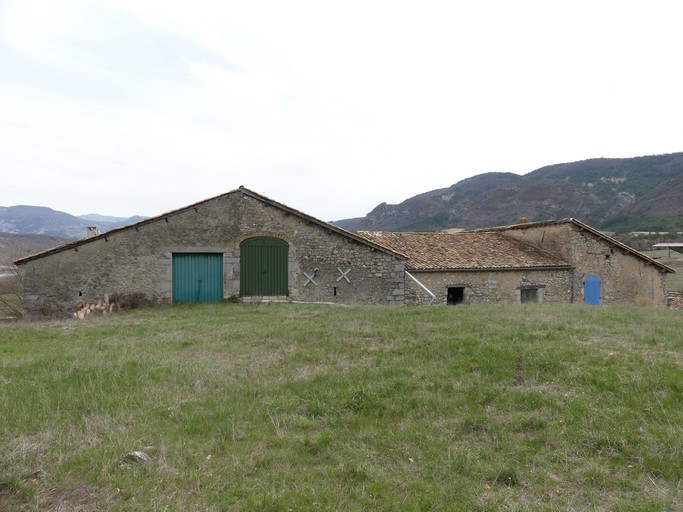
(133, 458)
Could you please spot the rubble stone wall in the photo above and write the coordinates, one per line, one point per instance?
(135, 263)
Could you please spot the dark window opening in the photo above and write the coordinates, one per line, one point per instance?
(335, 291)
(456, 295)
(528, 295)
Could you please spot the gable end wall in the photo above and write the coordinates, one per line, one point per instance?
(137, 262)
(626, 279)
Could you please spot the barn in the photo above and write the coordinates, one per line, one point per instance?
(606, 271)
(239, 244)
(559, 261)
(244, 245)
(477, 268)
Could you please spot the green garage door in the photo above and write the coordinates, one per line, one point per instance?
(263, 266)
(197, 277)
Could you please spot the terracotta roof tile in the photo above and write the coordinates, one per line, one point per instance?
(464, 251)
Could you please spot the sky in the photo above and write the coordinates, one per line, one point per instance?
(138, 107)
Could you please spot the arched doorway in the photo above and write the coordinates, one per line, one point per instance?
(263, 266)
(591, 290)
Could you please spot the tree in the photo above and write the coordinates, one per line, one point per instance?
(11, 287)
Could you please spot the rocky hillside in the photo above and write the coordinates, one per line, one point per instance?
(618, 194)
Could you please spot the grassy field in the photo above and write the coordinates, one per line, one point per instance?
(290, 407)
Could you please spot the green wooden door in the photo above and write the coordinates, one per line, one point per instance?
(197, 277)
(263, 266)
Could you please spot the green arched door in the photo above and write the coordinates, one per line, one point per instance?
(263, 266)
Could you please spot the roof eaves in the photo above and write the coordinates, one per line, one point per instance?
(622, 246)
(321, 223)
(242, 190)
(77, 243)
(584, 227)
(565, 266)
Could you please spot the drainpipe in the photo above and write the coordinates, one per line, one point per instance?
(573, 287)
(433, 297)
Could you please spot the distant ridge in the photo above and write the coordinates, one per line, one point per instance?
(618, 194)
(40, 220)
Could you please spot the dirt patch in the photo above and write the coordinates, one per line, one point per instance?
(80, 498)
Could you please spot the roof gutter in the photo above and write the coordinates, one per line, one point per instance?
(433, 297)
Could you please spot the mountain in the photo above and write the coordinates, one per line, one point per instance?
(46, 221)
(617, 194)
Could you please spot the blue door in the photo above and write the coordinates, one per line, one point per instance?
(591, 290)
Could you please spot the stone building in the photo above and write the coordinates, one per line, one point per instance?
(242, 244)
(477, 268)
(236, 244)
(606, 271)
(561, 261)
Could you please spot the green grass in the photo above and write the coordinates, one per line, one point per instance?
(292, 407)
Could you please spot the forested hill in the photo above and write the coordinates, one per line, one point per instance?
(616, 194)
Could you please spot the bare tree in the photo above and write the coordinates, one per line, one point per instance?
(11, 287)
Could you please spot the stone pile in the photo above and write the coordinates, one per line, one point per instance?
(675, 300)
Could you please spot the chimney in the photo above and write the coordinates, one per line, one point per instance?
(92, 231)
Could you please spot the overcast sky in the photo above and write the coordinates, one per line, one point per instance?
(125, 107)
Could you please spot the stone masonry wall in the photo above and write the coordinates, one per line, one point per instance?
(135, 264)
(491, 287)
(348, 271)
(625, 279)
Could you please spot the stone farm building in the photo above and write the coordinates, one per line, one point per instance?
(472, 267)
(242, 244)
(561, 261)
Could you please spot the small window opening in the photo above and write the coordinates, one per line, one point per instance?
(80, 294)
(456, 295)
(334, 291)
(528, 295)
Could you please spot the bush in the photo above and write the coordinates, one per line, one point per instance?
(10, 285)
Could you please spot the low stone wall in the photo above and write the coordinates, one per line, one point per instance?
(491, 287)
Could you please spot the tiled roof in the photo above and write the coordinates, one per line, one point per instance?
(464, 251)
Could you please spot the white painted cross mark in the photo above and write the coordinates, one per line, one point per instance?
(343, 275)
(310, 279)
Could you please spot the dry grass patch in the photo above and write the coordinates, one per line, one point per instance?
(279, 407)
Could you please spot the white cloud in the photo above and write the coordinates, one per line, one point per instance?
(129, 106)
